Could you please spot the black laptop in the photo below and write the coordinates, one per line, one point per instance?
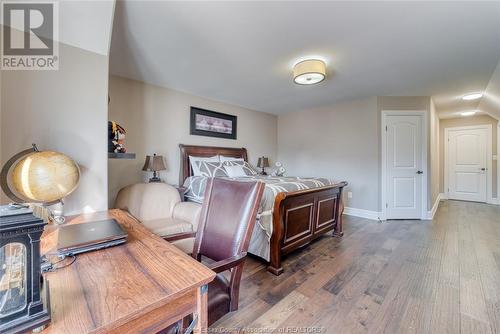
(86, 237)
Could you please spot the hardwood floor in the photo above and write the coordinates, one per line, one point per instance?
(440, 276)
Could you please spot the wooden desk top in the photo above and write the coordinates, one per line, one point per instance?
(105, 289)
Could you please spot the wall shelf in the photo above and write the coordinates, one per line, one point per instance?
(112, 155)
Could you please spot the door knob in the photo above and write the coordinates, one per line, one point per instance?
(483, 169)
(420, 172)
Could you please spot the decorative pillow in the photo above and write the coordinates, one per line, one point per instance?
(235, 171)
(211, 169)
(194, 166)
(247, 168)
(224, 158)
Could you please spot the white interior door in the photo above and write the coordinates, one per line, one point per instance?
(404, 172)
(467, 164)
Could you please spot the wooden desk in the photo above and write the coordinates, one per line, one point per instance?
(142, 286)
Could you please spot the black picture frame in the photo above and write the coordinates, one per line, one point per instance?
(195, 128)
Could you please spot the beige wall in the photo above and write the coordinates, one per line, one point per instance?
(467, 121)
(403, 102)
(490, 102)
(343, 142)
(66, 111)
(338, 142)
(434, 154)
(157, 121)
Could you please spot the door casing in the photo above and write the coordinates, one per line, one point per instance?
(489, 162)
(425, 167)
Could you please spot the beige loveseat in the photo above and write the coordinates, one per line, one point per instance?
(158, 206)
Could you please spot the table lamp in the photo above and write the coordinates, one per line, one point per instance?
(263, 163)
(154, 164)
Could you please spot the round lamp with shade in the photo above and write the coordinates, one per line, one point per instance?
(309, 72)
(263, 162)
(154, 164)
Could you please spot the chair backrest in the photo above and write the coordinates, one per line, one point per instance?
(148, 201)
(227, 218)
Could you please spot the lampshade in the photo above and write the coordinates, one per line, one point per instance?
(263, 162)
(309, 72)
(154, 163)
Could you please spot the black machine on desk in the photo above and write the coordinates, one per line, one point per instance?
(24, 301)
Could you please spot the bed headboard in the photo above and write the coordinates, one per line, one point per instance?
(205, 151)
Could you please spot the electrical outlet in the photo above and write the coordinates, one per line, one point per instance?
(349, 194)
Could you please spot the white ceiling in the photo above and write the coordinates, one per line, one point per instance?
(242, 52)
(86, 24)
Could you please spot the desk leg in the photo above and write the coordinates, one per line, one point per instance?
(202, 310)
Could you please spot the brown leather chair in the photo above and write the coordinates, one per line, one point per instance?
(226, 223)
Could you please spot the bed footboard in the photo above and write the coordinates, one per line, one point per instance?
(302, 216)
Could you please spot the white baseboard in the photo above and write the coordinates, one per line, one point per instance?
(494, 201)
(374, 215)
(432, 212)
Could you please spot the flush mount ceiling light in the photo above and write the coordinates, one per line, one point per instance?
(472, 96)
(468, 113)
(309, 72)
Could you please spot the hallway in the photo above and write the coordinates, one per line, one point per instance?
(440, 276)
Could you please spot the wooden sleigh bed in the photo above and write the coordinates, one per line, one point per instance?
(299, 217)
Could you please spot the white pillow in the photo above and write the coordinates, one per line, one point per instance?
(235, 171)
(211, 169)
(224, 158)
(247, 168)
(195, 166)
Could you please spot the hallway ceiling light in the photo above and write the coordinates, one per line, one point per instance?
(468, 113)
(472, 96)
(309, 72)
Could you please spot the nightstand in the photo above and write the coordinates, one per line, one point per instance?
(182, 191)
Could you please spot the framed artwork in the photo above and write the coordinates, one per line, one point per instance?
(212, 124)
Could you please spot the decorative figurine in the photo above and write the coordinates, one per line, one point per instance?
(116, 138)
(280, 170)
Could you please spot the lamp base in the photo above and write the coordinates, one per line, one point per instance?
(154, 179)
